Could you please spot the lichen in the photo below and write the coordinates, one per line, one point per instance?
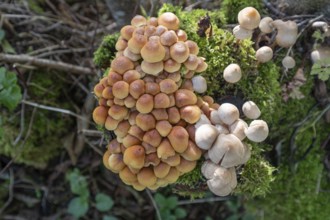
(106, 51)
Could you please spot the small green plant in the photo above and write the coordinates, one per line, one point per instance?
(322, 69)
(168, 207)
(79, 205)
(10, 92)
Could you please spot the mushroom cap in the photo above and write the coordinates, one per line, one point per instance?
(208, 168)
(179, 52)
(182, 35)
(138, 20)
(116, 163)
(172, 176)
(153, 51)
(199, 84)
(132, 56)
(173, 160)
(168, 86)
(121, 64)
(152, 137)
(193, 47)
(202, 120)
(190, 113)
(168, 38)
(192, 62)
(186, 166)
(214, 117)
(100, 115)
(152, 68)
(171, 66)
(264, 54)
(251, 110)
(134, 156)
(145, 121)
(288, 62)
(232, 73)
(127, 176)
(165, 149)
(222, 128)
(249, 18)
(161, 170)
(241, 33)
(205, 136)
(120, 89)
(184, 97)
(223, 181)
(146, 177)
(228, 149)
(192, 152)
(169, 20)
(163, 127)
(287, 33)
(145, 103)
(126, 32)
(265, 25)
(178, 138)
(238, 128)
(228, 113)
(257, 131)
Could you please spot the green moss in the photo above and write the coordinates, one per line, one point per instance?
(106, 52)
(230, 8)
(43, 129)
(256, 176)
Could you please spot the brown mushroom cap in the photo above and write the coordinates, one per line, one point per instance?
(137, 88)
(138, 20)
(152, 137)
(153, 51)
(163, 127)
(182, 35)
(130, 140)
(178, 138)
(126, 32)
(161, 101)
(168, 86)
(161, 170)
(179, 52)
(171, 66)
(168, 38)
(152, 68)
(134, 156)
(105, 157)
(122, 129)
(114, 146)
(110, 123)
(184, 97)
(118, 112)
(121, 64)
(145, 121)
(146, 177)
(190, 113)
(145, 103)
(120, 89)
(169, 20)
(114, 77)
(172, 176)
(160, 114)
(192, 152)
(100, 115)
(173, 160)
(186, 166)
(193, 47)
(127, 176)
(116, 163)
(165, 149)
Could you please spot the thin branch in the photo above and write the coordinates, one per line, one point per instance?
(154, 204)
(197, 201)
(46, 63)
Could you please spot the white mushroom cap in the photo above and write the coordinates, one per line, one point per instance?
(247, 153)
(241, 33)
(257, 131)
(228, 149)
(264, 54)
(205, 136)
(288, 62)
(228, 113)
(202, 120)
(315, 56)
(251, 110)
(208, 168)
(199, 84)
(222, 129)
(238, 128)
(232, 73)
(265, 25)
(214, 117)
(223, 181)
(287, 33)
(249, 18)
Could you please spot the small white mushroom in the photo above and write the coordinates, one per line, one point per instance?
(315, 56)
(214, 117)
(247, 153)
(202, 120)
(251, 110)
(241, 33)
(265, 25)
(228, 149)
(257, 131)
(232, 73)
(208, 168)
(199, 84)
(249, 18)
(264, 54)
(238, 128)
(320, 24)
(228, 113)
(205, 136)
(287, 33)
(223, 181)
(288, 62)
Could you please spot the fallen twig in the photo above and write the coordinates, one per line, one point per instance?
(58, 65)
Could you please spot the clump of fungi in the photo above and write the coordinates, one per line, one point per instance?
(286, 34)
(148, 100)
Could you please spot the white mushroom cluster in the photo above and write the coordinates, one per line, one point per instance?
(222, 135)
(286, 36)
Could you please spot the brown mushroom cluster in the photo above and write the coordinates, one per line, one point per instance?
(221, 134)
(148, 100)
